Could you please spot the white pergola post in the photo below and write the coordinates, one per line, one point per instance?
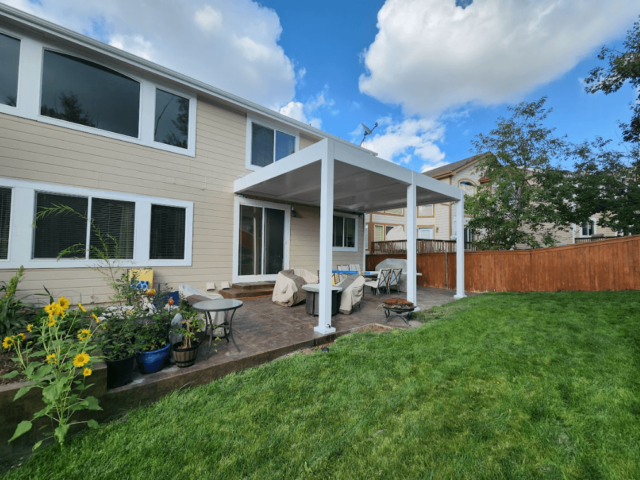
(460, 249)
(412, 233)
(326, 240)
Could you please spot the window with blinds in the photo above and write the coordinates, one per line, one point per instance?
(57, 233)
(5, 221)
(113, 226)
(168, 226)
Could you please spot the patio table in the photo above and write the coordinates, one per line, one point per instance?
(313, 293)
(229, 307)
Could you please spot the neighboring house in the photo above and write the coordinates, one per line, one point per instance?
(438, 221)
(197, 183)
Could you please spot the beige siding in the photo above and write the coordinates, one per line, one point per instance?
(306, 141)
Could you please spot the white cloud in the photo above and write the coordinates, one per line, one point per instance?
(427, 166)
(307, 112)
(404, 141)
(430, 55)
(230, 44)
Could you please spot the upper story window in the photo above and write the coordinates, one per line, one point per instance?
(425, 210)
(588, 228)
(395, 211)
(268, 144)
(9, 64)
(83, 92)
(345, 232)
(468, 187)
(171, 119)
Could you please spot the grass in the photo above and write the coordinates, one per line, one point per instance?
(540, 385)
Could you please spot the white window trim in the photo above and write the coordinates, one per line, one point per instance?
(268, 124)
(347, 249)
(595, 228)
(236, 237)
(22, 231)
(30, 93)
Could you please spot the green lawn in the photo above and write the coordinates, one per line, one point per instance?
(541, 385)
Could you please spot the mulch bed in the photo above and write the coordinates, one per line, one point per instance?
(7, 365)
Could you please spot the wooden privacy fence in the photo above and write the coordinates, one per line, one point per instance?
(603, 265)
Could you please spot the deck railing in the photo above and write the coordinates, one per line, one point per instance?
(593, 239)
(423, 246)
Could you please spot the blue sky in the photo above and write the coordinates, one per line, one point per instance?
(432, 73)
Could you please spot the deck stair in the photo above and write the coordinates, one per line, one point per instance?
(248, 290)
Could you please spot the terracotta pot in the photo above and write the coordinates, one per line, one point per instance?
(185, 357)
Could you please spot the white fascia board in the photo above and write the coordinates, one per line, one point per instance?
(437, 186)
(354, 156)
(301, 158)
(40, 25)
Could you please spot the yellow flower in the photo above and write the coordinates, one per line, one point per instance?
(7, 343)
(51, 308)
(86, 372)
(81, 307)
(84, 334)
(51, 358)
(95, 318)
(64, 302)
(21, 336)
(29, 328)
(81, 360)
(52, 321)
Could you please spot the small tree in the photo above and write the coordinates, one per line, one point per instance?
(524, 200)
(607, 182)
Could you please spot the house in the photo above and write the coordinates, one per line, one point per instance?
(201, 185)
(438, 222)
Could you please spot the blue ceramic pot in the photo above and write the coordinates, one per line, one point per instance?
(151, 362)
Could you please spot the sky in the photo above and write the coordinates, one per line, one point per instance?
(432, 74)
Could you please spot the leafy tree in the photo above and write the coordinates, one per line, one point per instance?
(524, 200)
(623, 66)
(607, 182)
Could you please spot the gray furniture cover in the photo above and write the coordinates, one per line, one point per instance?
(396, 263)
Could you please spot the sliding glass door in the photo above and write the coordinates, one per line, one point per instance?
(261, 241)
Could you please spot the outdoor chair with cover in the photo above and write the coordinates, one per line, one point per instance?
(396, 263)
(288, 288)
(352, 292)
(381, 282)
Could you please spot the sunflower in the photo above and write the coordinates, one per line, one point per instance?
(84, 334)
(21, 336)
(86, 372)
(81, 360)
(64, 302)
(29, 328)
(7, 343)
(52, 321)
(81, 307)
(95, 318)
(51, 308)
(51, 358)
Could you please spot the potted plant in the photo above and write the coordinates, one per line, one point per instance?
(151, 341)
(186, 351)
(116, 340)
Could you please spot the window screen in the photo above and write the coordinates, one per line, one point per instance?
(55, 233)
(350, 232)
(113, 226)
(172, 119)
(338, 232)
(261, 145)
(86, 93)
(167, 232)
(5, 221)
(285, 145)
(9, 61)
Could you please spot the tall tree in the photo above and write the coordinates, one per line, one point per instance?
(607, 182)
(623, 67)
(524, 200)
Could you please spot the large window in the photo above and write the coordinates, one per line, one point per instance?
(9, 63)
(425, 210)
(344, 232)
(171, 119)
(269, 145)
(83, 92)
(113, 223)
(63, 232)
(168, 226)
(5, 222)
